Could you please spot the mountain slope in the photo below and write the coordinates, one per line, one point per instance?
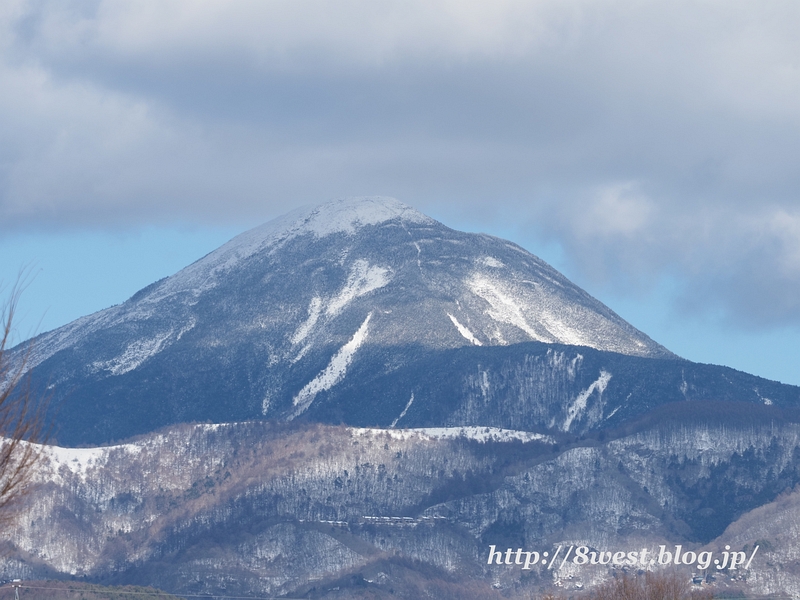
(533, 387)
(267, 509)
(263, 325)
(487, 401)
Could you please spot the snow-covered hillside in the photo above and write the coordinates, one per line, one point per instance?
(284, 313)
(266, 509)
(355, 390)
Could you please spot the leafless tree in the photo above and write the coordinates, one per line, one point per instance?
(652, 586)
(21, 419)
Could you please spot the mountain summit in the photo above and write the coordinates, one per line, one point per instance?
(282, 313)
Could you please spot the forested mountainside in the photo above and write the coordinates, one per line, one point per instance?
(356, 401)
(271, 509)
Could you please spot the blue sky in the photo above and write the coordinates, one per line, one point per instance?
(647, 150)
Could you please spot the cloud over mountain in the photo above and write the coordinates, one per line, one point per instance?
(663, 138)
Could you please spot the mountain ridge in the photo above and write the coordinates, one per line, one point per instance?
(355, 398)
(283, 312)
(186, 507)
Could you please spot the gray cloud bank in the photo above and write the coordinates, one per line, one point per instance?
(646, 138)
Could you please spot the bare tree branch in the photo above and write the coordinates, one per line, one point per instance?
(21, 418)
(665, 585)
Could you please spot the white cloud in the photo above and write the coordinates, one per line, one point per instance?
(785, 228)
(285, 31)
(614, 210)
(645, 137)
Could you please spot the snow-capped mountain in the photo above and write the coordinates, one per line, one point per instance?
(405, 278)
(380, 399)
(340, 313)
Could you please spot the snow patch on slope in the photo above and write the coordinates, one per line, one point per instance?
(135, 354)
(405, 410)
(504, 308)
(560, 360)
(537, 310)
(561, 331)
(333, 373)
(48, 344)
(72, 334)
(419, 254)
(186, 328)
(314, 310)
(576, 409)
(491, 261)
(764, 399)
(303, 351)
(78, 460)
(362, 280)
(465, 333)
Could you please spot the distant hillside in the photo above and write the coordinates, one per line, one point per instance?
(271, 509)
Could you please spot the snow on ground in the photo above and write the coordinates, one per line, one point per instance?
(579, 404)
(134, 355)
(314, 310)
(363, 279)
(346, 215)
(333, 373)
(560, 360)
(491, 261)
(405, 410)
(465, 333)
(338, 216)
(504, 308)
(79, 460)
(186, 328)
(303, 351)
(564, 333)
(47, 344)
(480, 434)
(512, 303)
(764, 399)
